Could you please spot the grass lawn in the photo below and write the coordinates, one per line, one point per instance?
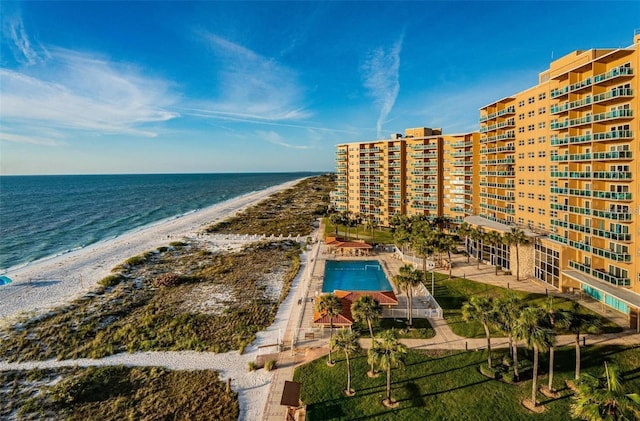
(421, 328)
(381, 235)
(446, 385)
(451, 295)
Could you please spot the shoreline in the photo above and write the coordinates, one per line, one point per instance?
(46, 283)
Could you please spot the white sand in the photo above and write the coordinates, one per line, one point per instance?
(48, 283)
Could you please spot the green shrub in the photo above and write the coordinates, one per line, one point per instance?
(508, 377)
(110, 281)
(163, 249)
(135, 260)
(177, 244)
(270, 365)
(251, 365)
(492, 373)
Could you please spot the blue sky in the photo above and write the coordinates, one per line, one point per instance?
(145, 87)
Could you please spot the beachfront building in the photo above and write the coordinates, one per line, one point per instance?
(561, 160)
(421, 173)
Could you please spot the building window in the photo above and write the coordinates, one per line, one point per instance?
(521, 168)
(531, 155)
(521, 103)
(531, 168)
(532, 100)
(521, 181)
(547, 265)
(542, 168)
(521, 116)
(542, 110)
(531, 127)
(520, 207)
(531, 141)
(541, 182)
(520, 194)
(521, 155)
(542, 154)
(542, 125)
(520, 129)
(541, 197)
(521, 141)
(531, 182)
(542, 96)
(530, 209)
(530, 195)
(542, 139)
(531, 113)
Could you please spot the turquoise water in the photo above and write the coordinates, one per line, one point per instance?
(354, 275)
(4, 280)
(41, 216)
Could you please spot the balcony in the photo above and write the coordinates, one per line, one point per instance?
(558, 125)
(615, 236)
(580, 246)
(573, 105)
(559, 108)
(613, 115)
(613, 94)
(618, 256)
(424, 147)
(557, 238)
(557, 93)
(615, 216)
(614, 134)
(611, 175)
(574, 122)
(621, 71)
(609, 195)
(612, 155)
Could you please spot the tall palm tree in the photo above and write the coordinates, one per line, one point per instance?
(346, 221)
(483, 310)
(422, 243)
(387, 354)
(448, 245)
(367, 309)
(516, 237)
(508, 309)
(494, 238)
(356, 220)
(401, 237)
(329, 305)
(477, 235)
(536, 335)
(555, 320)
(372, 224)
(346, 341)
(464, 230)
(336, 220)
(407, 280)
(604, 398)
(578, 322)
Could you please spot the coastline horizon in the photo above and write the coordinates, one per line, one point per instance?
(46, 283)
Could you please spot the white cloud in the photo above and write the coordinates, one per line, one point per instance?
(33, 140)
(77, 91)
(23, 49)
(276, 139)
(252, 87)
(380, 72)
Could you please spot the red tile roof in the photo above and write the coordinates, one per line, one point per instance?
(345, 318)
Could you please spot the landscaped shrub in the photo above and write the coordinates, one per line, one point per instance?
(251, 365)
(135, 260)
(492, 373)
(270, 365)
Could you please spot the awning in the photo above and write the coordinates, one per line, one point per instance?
(4, 280)
(479, 221)
(622, 294)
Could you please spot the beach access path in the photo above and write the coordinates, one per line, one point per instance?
(51, 282)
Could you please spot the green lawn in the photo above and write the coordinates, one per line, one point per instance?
(421, 328)
(381, 235)
(447, 385)
(451, 295)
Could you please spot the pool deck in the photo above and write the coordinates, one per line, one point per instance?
(310, 347)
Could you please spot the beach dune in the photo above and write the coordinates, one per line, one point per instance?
(47, 283)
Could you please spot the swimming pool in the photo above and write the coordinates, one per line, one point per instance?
(354, 275)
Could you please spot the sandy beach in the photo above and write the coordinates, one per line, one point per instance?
(47, 283)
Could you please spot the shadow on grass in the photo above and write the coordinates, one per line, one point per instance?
(413, 390)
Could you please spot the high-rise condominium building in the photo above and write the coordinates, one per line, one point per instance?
(561, 160)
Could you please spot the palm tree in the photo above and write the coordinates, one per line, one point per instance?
(494, 238)
(346, 341)
(329, 305)
(336, 220)
(508, 310)
(356, 220)
(477, 235)
(555, 320)
(464, 230)
(536, 335)
(407, 279)
(605, 398)
(346, 221)
(422, 243)
(387, 353)
(372, 223)
(578, 322)
(367, 309)
(448, 245)
(483, 310)
(516, 237)
(401, 237)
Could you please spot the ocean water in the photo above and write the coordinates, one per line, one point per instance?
(41, 216)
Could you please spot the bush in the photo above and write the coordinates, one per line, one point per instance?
(270, 365)
(135, 260)
(168, 280)
(110, 281)
(163, 249)
(177, 244)
(492, 373)
(251, 365)
(508, 377)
